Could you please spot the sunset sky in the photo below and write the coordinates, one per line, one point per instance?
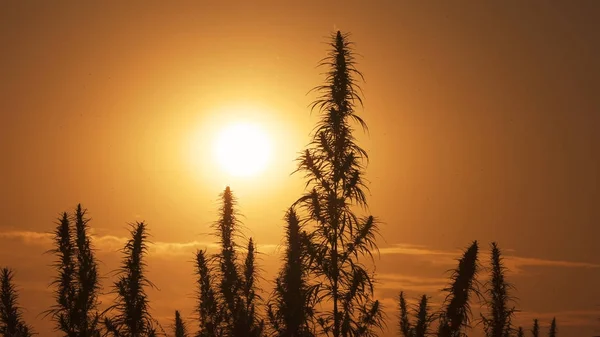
(483, 125)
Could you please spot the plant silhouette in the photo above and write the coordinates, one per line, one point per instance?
(86, 300)
(132, 318)
(498, 321)
(520, 332)
(553, 329)
(405, 329)
(179, 328)
(233, 313)
(208, 309)
(11, 318)
(254, 325)
(333, 165)
(290, 309)
(77, 283)
(64, 312)
(457, 312)
(535, 331)
(424, 318)
(230, 280)
(421, 314)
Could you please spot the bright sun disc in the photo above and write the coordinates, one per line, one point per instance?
(243, 149)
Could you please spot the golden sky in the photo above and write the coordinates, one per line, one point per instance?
(483, 122)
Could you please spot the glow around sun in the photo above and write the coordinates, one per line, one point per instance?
(243, 149)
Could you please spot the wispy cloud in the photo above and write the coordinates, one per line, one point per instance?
(448, 257)
(516, 263)
(410, 249)
(111, 243)
(405, 282)
(563, 318)
(28, 237)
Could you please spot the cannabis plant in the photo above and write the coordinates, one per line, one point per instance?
(132, 318)
(405, 328)
(86, 300)
(520, 332)
(64, 312)
(208, 309)
(535, 331)
(230, 280)
(236, 283)
(76, 285)
(457, 311)
(334, 165)
(424, 318)
(179, 328)
(497, 323)
(421, 314)
(254, 326)
(290, 309)
(11, 318)
(553, 329)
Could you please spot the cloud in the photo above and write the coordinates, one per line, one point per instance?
(37, 238)
(409, 249)
(111, 243)
(398, 282)
(514, 263)
(563, 318)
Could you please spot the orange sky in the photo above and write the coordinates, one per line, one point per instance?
(483, 125)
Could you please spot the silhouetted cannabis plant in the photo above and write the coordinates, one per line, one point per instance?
(77, 285)
(422, 317)
(457, 312)
(86, 300)
(404, 322)
(553, 329)
(11, 319)
(64, 312)
(236, 283)
(520, 332)
(497, 323)
(535, 331)
(254, 325)
(229, 277)
(208, 309)
(333, 165)
(179, 328)
(132, 318)
(290, 309)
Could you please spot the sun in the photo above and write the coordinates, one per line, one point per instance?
(243, 149)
